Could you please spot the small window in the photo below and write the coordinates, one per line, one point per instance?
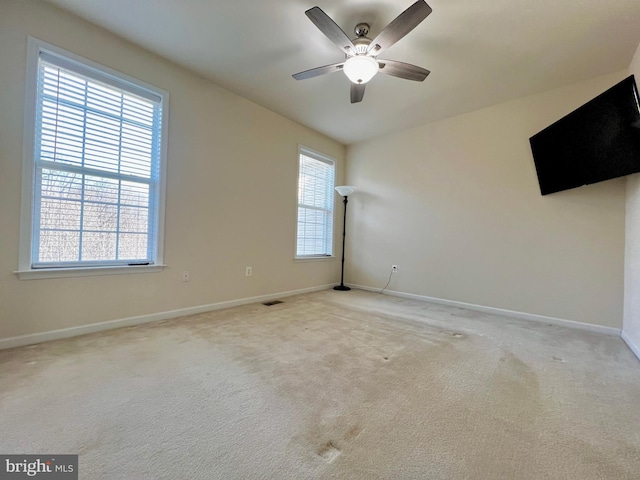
(315, 205)
(96, 166)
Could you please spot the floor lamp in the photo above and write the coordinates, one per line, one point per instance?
(345, 191)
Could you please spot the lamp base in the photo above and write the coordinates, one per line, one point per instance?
(342, 288)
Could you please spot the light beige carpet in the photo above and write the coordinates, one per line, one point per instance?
(344, 385)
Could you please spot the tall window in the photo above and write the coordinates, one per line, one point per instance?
(97, 166)
(315, 205)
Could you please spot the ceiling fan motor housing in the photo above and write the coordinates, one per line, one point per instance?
(362, 45)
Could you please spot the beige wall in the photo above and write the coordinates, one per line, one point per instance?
(231, 193)
(631, 327)
(456, 205)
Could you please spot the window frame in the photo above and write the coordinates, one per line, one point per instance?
(28, 201)
(308, 152)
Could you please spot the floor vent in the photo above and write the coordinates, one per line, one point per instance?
(273, 302)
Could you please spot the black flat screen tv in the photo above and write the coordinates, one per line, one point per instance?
(596, 142)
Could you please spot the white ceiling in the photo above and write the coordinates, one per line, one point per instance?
(480, 52)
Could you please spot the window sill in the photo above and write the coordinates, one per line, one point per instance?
(313, 259)
(41, 273)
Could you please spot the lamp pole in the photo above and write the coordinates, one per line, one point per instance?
(345, 191)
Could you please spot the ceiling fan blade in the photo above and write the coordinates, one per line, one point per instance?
(403, 70)
(403, 24)
(357, 92)
(315, 72)
(331, 30)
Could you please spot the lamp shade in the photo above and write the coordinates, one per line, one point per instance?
(345, 190)
(360, 68)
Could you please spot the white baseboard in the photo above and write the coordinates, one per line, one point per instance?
(30, 339)
(634, 348)
(501, 312)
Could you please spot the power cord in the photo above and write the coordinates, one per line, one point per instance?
(388, 281)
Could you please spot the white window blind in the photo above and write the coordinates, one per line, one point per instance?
(96, 170)
(315, 205)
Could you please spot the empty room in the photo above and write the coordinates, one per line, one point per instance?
(339, 239)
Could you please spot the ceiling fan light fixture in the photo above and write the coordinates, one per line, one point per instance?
(360, 68)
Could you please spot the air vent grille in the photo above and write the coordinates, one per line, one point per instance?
(272, 302)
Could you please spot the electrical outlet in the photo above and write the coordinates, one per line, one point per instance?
(248, 271)
(394, 269)
(185, 276)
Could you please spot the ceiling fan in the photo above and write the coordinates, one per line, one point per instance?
(361, 62)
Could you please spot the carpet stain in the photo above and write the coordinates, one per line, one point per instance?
(453, 334)
(353, 433)
(329, 451)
